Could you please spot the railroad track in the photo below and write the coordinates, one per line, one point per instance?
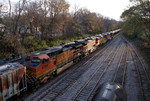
(120, 73)
(62, 83)
(142, 75)
(61, 87)
(109, 75)
(143, 78)
(86, 90)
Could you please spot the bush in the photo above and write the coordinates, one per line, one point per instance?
(32, 44)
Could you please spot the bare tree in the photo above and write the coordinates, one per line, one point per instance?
(1, 9)
(19, 11)
(9, 8)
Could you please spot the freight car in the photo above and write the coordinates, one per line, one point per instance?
(12, 80)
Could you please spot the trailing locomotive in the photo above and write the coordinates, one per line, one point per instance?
(38, 67)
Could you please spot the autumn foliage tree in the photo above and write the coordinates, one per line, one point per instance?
(35, 25)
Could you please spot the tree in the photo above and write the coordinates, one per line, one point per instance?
(34, 25)
(19, 10)
(138, 17)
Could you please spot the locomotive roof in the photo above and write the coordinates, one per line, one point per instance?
(88, 38)
(104, 33)
(52, 49)
(55, 48)
(66, 48)
(108, 32)
(71, 45)
(93, 37)
(99, 36)
(82, 41)
(47, 51)
(9, 67)
(42, 56)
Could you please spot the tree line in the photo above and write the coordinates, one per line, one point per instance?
(136, 22)
(35, 25)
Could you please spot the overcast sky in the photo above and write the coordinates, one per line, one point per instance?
(109, 8)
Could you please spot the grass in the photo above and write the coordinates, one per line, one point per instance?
(128, 36)
(136, 41)
(30, 43)
(66, 40)
(145, 52)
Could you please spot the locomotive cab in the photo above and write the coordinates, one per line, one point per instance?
(83, 47)
(111, 35)
(37, 65)
(100, 39)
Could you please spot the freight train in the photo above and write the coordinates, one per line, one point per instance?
(38, 67)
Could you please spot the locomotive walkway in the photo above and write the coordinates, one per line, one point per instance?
(118, 61)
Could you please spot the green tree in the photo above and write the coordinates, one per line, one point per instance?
(136, 19)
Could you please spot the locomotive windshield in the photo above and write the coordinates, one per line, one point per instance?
(27, 58)
(32, 62)
(36, 61)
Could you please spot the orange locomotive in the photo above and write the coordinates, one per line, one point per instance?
(43, 65)
(39, 64)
